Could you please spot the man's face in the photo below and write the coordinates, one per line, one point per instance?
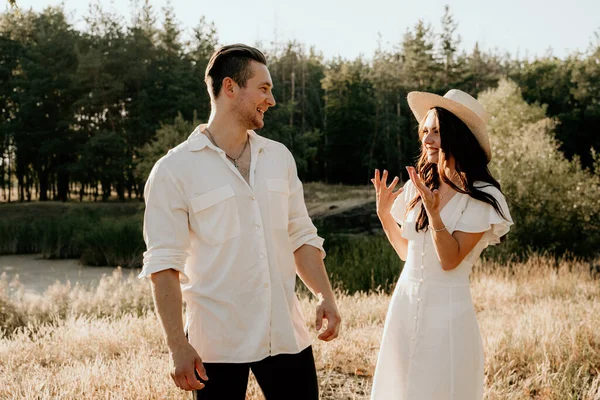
(254, 100)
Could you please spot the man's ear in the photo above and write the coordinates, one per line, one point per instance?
(229, 87)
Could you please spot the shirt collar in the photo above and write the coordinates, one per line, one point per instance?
(198, 141)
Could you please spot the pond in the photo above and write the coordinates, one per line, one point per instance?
(36, 273)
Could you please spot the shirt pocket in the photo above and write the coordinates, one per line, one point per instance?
(279, 193)
(216, 214)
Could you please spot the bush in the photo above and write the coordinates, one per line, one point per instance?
(554, 202)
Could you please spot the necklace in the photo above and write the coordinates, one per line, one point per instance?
(449, 188)
(447, 191)
(234, 160)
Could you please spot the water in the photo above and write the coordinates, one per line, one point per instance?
(36, 274)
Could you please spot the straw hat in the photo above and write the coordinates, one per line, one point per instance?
(459, 103)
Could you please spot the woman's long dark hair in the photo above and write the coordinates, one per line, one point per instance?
(470, 162)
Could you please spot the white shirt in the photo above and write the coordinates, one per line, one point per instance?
(233, 244)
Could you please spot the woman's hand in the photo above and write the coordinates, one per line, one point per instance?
(385, 195)
(430, 199)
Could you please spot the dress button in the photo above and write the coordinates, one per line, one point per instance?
(266, 285)
(415, 318)
(422, 254)
(422, 267)
(253, 198)
(257, 226)
(262, 256)
(419, 299)
(422, 280)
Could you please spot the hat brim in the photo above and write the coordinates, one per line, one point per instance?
(421, 102)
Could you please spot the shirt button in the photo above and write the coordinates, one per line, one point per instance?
(415, 318)
(262, 256)
(253, 198)
(422, 254)
(266, 285)
(419, 299)
(422, 267)
(422, 279)
(257, 226)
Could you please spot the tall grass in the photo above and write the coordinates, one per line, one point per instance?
(538, 319)
(362, 262)
(111, 234)
(98, 234)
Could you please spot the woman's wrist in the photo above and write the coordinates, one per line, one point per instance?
(435, 222)
(386, 218)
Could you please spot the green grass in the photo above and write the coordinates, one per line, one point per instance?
(319, 191)
(98, 234)
(111, 234)
(361, 262)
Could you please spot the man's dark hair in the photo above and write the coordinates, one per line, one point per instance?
(231, 61)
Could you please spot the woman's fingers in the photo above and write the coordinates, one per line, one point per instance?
(419, 184)
(393, 184)
(397, 193)
(385, 195)
(381, 183)
(414, 177)
(384, 178)
(436, 197)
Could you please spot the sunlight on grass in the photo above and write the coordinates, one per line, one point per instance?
(539, 321)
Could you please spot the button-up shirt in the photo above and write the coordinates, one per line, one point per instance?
(233, 244)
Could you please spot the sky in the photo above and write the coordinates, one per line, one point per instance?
(524, 28)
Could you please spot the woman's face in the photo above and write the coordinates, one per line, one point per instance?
(432, 142)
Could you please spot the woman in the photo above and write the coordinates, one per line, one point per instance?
(448, 212)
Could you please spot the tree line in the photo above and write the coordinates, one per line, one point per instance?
(86, 113)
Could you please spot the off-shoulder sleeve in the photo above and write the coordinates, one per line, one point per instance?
(482, 217)
(398, 210)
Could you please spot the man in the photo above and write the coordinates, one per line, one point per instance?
(227, 231)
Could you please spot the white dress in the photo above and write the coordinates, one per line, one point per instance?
(431, 347)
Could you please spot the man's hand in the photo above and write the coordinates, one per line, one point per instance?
(184, 362)
(326, 309)
(310, 268)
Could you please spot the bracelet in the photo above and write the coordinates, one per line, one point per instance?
(437, 230)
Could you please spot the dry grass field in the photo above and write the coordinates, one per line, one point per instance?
(540, 321)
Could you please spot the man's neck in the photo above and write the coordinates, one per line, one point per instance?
(227, 132)
(226, 128)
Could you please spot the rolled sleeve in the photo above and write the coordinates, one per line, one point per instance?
(166, 230)
(301, 229)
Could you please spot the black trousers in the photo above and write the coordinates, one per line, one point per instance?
(280, 377)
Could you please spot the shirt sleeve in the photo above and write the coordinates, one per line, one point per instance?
(479, 216)
(301, 229)
(166, 230)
